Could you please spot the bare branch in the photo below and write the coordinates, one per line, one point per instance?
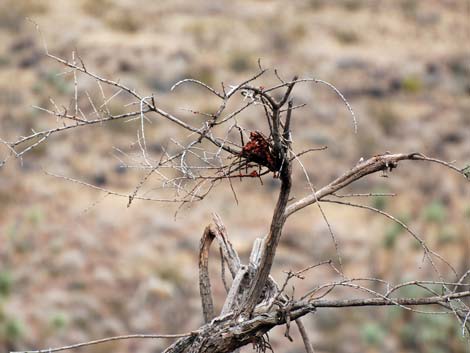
(204, 280)
(323, 303)
(426, 249)
(209, 88)
(303, 333)
(384, 162)
(108, 339)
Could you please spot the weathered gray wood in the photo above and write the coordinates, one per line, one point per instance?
(204, 280)
(236, 290)
(271, 241)
(256, 251)
(225, 334)
(217, 231)
(230, 254)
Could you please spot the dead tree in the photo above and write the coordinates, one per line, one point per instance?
(220, 150)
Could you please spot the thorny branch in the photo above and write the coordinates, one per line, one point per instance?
(254, 303)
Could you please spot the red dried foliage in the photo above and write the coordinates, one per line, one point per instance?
(258, 150)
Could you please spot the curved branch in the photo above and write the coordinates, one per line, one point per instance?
(200, 83)
(385, 162)
(216, 230)
(108, 339)
(314, 80)
(204, 280)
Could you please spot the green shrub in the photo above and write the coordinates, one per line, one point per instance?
(379, 202)
(391, 235)
(408, 335)
(13, 330)
(434, 328)
(35, 216)
(393, 231)
(57, 82)
(435, 212)
(58, 321)
(373, 334)
(412, 84)
(6, 283)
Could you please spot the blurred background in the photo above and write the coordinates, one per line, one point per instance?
(76, 264)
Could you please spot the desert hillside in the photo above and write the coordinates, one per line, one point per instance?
(77, 264)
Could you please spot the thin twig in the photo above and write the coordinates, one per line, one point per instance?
(108, 339)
